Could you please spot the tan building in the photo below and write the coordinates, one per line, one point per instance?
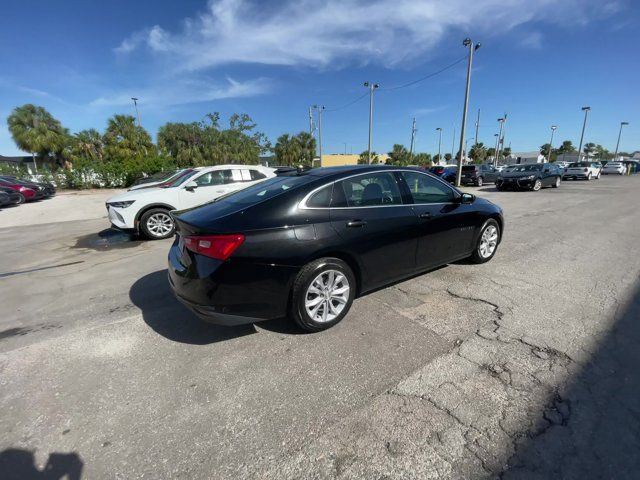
(338, 159)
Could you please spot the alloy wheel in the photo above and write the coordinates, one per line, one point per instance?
(327, 296)
(537, 185)
(488, 241)
(159, 224)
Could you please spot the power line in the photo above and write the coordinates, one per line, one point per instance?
(347, 104)
(398, 87)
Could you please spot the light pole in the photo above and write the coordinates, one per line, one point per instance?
(622, 124)
(472, 48)
(439, 130)
(453, 144)
(501, 121)
(553, 130)
(477, 125)
(320, 108)
(466, 148)
(311, 127)
(371, 86)
(584, 125)
(495, 150)
(135, 104)
(413, 137)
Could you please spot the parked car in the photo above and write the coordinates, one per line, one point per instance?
(616, 168)
(450, 173)
(4, 199)
(146, 211)
(586, 170)
(46, 189)
(162, 178)
(562, 164)
(26, 194)
(306, 244)
(13, 197)
(478, 174)
(533, 176)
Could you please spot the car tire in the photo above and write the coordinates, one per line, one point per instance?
(157, 224)
(537, 185)
(484, 253)
(598, 176)
(21, 199)
(556, 184)
(479, 182)
(315, 308)
(589, 177)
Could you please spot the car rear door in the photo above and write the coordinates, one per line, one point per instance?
(445, 226)
(368, 213)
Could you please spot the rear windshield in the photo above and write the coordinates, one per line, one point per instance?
(468, 168)
(613, 164)
(578, 165)
(270, 188)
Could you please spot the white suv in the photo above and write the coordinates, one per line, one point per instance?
(586, 170)
(147, 210)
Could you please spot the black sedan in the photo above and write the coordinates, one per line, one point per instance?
(533, 176)
(10, 197)
(306, 243)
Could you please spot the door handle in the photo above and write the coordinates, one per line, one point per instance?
(356, 223)
(425, 215)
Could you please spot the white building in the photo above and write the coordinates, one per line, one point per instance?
(528, 157)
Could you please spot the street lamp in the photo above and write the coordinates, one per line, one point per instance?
(584, 125)
(439, 130)
(371, 86)
(622, 124)
(472, 48)
(135, 104)
(553, 130)
(501, 121)
(320, 108)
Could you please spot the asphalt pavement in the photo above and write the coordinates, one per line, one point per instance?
(523, 367)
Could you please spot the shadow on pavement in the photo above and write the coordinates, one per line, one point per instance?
(164, 314)
(18, 464)
(598, 435)
(107, 239)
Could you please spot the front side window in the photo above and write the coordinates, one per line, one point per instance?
(425, 189)
(216, 177)
(366, 191)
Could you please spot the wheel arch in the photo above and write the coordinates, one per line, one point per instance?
(145, 209)
(347, 258)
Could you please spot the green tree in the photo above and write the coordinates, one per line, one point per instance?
(87, 144)
(363, 159)
(478, 152)
(447, 157)
(399, 156)
(589, 148)
(124, 140)
(422, 159)
(287, 150)
(183, 142)
(544, 151)
(602, 153)
(567, 147)
(36, 131)
(506, 152)
(307, 146)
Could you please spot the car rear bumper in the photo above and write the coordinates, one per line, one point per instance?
(232, 292)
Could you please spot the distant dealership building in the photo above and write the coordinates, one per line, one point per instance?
(21, 161)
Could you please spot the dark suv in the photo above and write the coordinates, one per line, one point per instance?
(478, 174)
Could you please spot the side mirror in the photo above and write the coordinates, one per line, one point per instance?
(466, 198)
(191, 186)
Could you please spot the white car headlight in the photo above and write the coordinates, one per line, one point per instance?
(124, 204)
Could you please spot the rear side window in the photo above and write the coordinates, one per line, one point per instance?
(256, 175)
(425, 189)
(367, 190)
(320, 199)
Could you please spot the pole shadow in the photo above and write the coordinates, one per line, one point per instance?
(18, 464)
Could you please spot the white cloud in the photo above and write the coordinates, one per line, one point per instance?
(531, 40)
(335, 32)
(178, 92)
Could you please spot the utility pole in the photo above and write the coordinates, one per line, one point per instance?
(311, 126)
(584, 125)
(618, 143)
(439, 130)
(477, 125)
(500, 139)
(413, 137)
(472, 48)
(320, 108)
(135, 104)
(495, 150)
(553, 130)
(371, 86)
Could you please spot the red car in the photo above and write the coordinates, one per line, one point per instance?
(26, 194)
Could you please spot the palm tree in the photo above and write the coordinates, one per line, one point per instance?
(307, 145)
(89, 144)
(124, 139)
(34, 130)
(287, 150)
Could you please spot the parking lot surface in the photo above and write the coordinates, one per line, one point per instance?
(525, 366)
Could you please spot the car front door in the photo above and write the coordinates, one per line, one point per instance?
(368, 213)
(208, 186)
(445, 226)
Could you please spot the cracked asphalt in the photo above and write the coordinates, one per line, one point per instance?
(525, 367)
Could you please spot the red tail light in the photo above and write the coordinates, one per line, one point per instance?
(214, 246)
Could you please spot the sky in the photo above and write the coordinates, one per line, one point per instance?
(540, 61)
